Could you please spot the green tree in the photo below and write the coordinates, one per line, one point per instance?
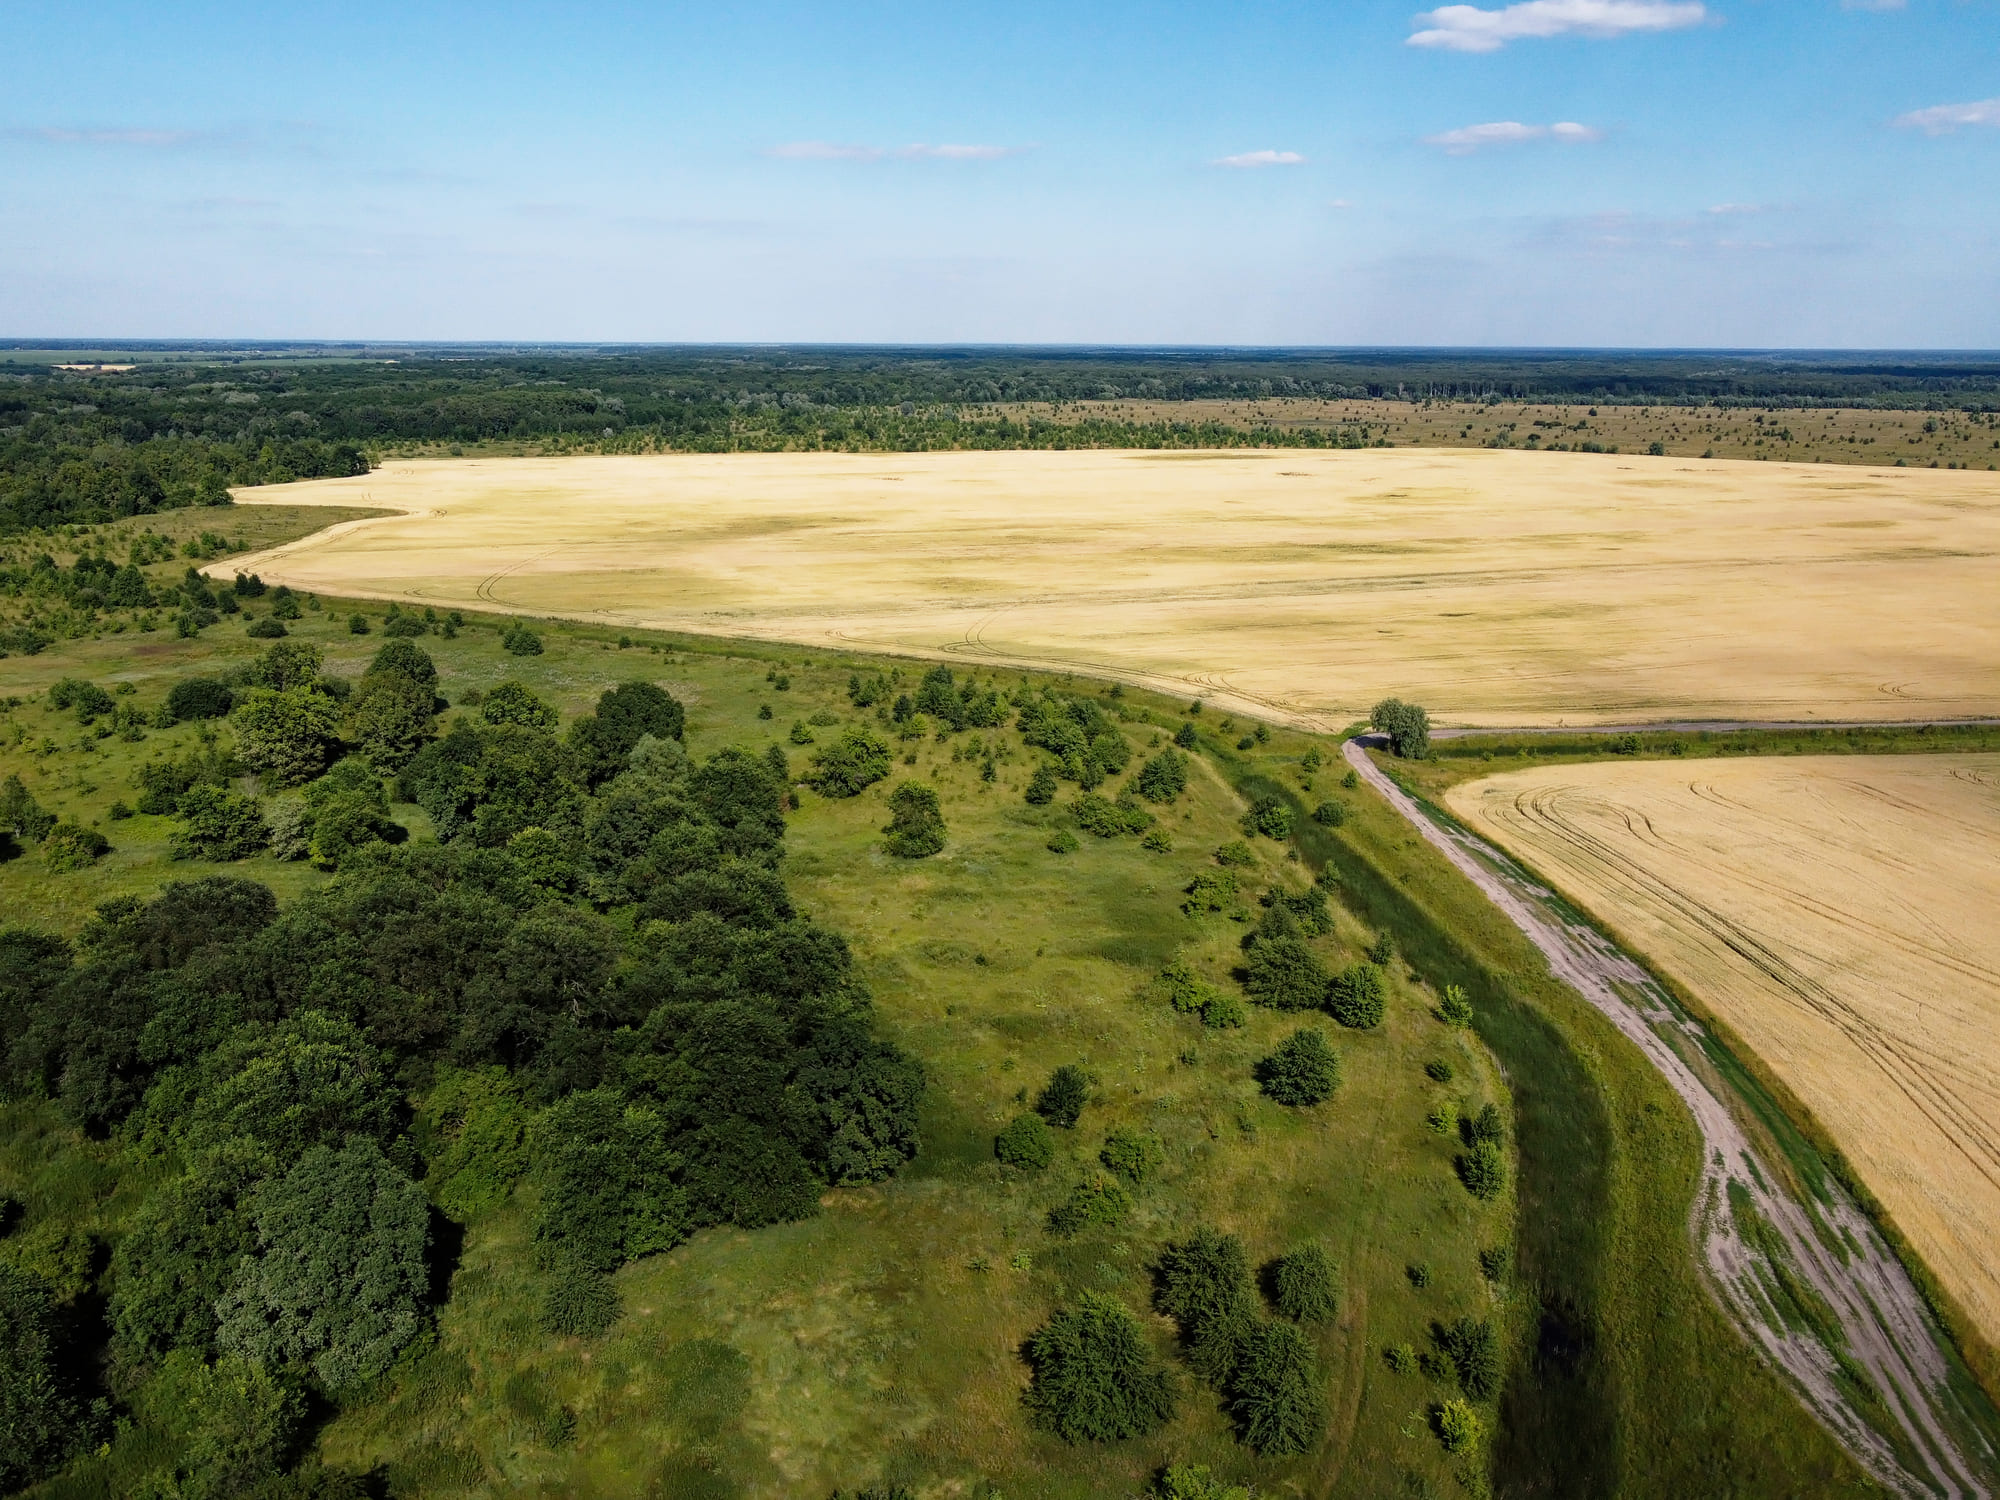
(1358, 996)
(849, 766)
(1276, 1392)
(1454, 1009)
(289, 665)
(1094, 1378)
(40, 1421)
(1203, 1284)
(199, 698)
(1185, 737)
(288, 736)
(1285, 974)
(172, 1263)
(604, 739)
(1132, 1154)
(346, 809)
(518, 640)
(916, 825)
(339, 1279)
(235, 1426)
(1482, 1170)
(1025, 1142)
(473, 1125)
(1163, 777)
(511, 703)
(1272, 817)
(1457, 1425)
(71, 846)
(1062, 1098)
(1303, 1071)
(310, 1080)
(1474, 1351)
(1196, 1482)
(1407, 726)
(1042, 785)
(217, 824)
(1306, 1285)
(1096, 1201)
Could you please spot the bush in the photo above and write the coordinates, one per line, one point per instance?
(801, 735)
(1330, 814)
(1210, 891)
(1474, 1351)
(511, 703)
(1025, 1142)
(1285, 974)
(1437, 1070)
(1278, 1401)
(1132, 1154)
(1235, 853)
(1382, 952)
(1358, 996)
(519, 640)
(1272, 817)
(1185, 737)
(1195, 1482)
(357, 624)
(219, 824)
(1203, 1284)
(1482, 1171)
(1162, 778)
(1094, 1377)
(1457, 1425)
(1042, 785)
(1222, 1011)
(1454, 1009)
(87, 698)
(71, 846)
(916, 826)
(1099, 1201)
(579, 1302)
(1108, 819)
(1494, 1261)
(1185, 989)
(40, 1422)
(199, 698)
(287, 736)
(1062, 1099)
(1306, 1285)
(1407, 726)
(849, 766)
(1484, 1128)
(20, 811)
(1303, 1071)
(266, 629)
(1062, 841)
(402, 627)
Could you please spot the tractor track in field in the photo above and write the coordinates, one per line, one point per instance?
(1910, 1436)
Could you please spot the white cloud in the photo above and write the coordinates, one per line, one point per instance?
(1470, 138)
(1736, 208)
(835, 151)
(1342, 203)
(1262, 159)
(1942, 119)
(1467, 28)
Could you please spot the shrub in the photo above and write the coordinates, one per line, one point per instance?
(1062, 1098)
(1311, 760)
(579, 1302)
(1132, 1154)
(199, 698)
(1210, 891)
(1438, 1070)
(1457, 1425)
(357, 624)
(1351, 780)
(1042, 785)
(1098, 1201)
(1025, 1142)
(1185, 737)
(1062, 841)
(1163, 777)
(1108, 819)
(1482, 1171)
(1222, 1011)
(1278, 1401)
(1272, 817)
(1494, 1261)
(1285, 974)
(20, 811)
(1419, 1274)
(402, 626)
(1454, 1009)
(1357, 996)
(285, 607)
(800, 735)
(218, 823)
(71, 846)
(1305, 1285)
(1330, 814)
(1400, 1358)
(287, 736)
(1094, 1377)
(1195, 1482)
(392, 716)
(1474, 1351)
(1185, 989)
(267, 629)
(511, 703)
(87, 698)
(519, 640)
(1303, 1071)
(1484, 1128)
(1157, 839)
(1203, 1284)
(40, 1422)
(1407, 726)
(916, 826)
(853, 763)
(1382, 952)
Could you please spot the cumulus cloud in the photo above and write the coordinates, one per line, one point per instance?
(836, 151)
(1262, 159)
(1467, 28)
(1470, 138)
(1943, 119)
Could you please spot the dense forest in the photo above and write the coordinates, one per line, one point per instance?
(181, 425)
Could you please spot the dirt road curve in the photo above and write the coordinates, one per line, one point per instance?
(1907, 1430)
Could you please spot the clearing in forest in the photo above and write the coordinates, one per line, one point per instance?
(1500, 588)
(1837, 913)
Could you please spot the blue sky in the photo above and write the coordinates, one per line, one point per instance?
(1561, 172)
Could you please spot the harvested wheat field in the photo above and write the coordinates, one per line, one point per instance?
(1495, 587)
(1839, 913)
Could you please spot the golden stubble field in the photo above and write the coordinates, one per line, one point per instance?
(1839, 913)
(1495, 587)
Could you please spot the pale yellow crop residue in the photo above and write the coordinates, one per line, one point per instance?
(1494, 587)
(1842, 914)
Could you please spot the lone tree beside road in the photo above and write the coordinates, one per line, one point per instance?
(1406, 724)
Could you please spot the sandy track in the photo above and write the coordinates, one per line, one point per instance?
(1909, 1443)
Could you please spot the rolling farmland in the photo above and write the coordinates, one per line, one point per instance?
(1501, 588)
(1837, 914)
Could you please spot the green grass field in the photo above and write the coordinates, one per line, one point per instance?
(880, 1340)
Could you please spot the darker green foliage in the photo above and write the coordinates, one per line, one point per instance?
(87, 698)
(1163, 777)
(1482, 1170)
(1203, 1284)
(199, 698)
(1025, 1142)
(162, 783)
(957, 706)
(1303, 1071)
(69, 845)
(1484, 1128)
(1042, 785)
(485, 784)
(1407, 726)
(1094, 1378)
(1438, 1070)
(1276, 1393)
(1108, 819)
(1473, 1348)
(517, 640)
(1330, 814)
(1358, 996)
(1132, 1154)
(601, 741)
(916, 825)
(1083, 738)
(21, 813)
(511, 703)
(1285, 974)
(1210, 891)
(218, 823)
(579, 1302)
(1062, 1098)
(1270, 816)
(849, 766)
(1185, 737)
(41, 1420)
(1096, 1202)
(266, 629)
(1305, 1285)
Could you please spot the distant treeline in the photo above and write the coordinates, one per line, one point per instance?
(89, 447)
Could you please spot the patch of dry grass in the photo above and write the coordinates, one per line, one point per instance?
(1838, 914)
(1496, 587)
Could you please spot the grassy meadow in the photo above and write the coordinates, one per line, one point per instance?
(1496, 588)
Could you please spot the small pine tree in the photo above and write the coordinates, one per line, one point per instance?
(1303, 1071)
(1358, 996)
(1185, 737)
(1277, 1397)
(1062, 1099)
(1306, 1285)
(1042, 785)
(916, 825)
(1454, 1009)
(1095, 1380)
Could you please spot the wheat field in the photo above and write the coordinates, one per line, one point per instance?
(1839, 913)
(1498, 588)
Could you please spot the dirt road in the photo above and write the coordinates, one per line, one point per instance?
(1755, 1237)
